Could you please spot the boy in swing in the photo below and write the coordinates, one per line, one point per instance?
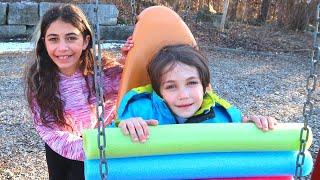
(179, 93)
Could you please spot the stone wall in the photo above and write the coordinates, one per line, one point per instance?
(18, 19)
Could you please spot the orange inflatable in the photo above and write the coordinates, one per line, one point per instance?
(156, 27)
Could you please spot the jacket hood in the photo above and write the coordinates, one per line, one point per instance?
(210, 100)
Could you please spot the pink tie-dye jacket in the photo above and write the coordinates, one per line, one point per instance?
(80, 114)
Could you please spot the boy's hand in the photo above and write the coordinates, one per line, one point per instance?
(265, 123)
(126, 48)
(137, 128)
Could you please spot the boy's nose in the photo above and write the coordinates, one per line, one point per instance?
(183, 93)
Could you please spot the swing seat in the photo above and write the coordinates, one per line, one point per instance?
(156, 27)
(221, 150)
(224, 151)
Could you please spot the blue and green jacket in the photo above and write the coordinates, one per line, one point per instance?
(145, 103)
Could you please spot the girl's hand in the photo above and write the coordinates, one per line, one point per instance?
(126, 48)
(137, 128)
(265, 123)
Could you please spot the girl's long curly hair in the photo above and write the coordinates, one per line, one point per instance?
(42, 76)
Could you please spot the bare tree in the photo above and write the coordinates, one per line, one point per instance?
(244, 11)
(312, 10)
(199, 4)
(233, 10)
(175, 4)
(298, 15)
(224, 15)
(281, 12)
(264, 10)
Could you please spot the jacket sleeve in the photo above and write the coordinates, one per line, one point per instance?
(235, 114)
(60, 139)
(141, 107)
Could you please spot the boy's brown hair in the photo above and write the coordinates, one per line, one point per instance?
(172, 55)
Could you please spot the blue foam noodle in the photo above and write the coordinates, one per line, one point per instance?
(201, 165)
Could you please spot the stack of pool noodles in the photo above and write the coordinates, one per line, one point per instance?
(200, 151)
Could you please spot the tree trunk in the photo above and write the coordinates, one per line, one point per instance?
(290, 12)
(281, 9)
(224, 15)
(264, 10)
(208, 3)
(244, 11)
(298, 19)
(137, 11)
(233, 10)
(176, 5)
(197, 5)
(312, 10)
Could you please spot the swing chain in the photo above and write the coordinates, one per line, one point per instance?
(133, 11)
(308, 105)
(103, 167)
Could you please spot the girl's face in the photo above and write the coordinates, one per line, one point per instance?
(64, 44)
(181, 89)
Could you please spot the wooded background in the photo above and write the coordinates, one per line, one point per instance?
(291, 14)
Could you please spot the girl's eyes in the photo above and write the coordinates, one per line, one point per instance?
(72, 38)
(193, 83)
(68, 39)
(53, 39)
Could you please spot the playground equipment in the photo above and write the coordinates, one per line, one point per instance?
(245, 159)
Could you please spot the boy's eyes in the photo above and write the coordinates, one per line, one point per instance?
(169, 86)
(190, 83)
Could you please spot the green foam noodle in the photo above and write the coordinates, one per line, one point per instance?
(197, 138)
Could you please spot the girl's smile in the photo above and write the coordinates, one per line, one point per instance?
(65, 44)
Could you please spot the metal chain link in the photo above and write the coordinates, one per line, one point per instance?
(188, 7)
(103, 167)
(308, 105)
(133, 11)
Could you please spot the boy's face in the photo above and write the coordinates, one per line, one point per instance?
(181, 89)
